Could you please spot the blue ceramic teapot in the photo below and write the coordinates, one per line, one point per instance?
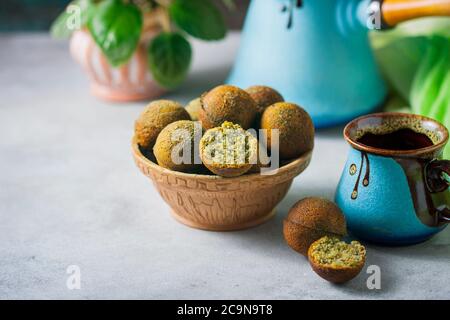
(394, 187)
(317, 53)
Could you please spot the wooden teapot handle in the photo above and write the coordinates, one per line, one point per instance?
(396, 11)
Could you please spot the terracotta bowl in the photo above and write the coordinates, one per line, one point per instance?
(214, 203)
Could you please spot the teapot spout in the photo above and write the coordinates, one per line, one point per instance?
(385, 14)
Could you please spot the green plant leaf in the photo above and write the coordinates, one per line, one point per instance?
(415, 58)
(399, 61)
(423, 27)
(116, 28)
(169, 57)
(77, 12)
(430, 75)
(199, 18)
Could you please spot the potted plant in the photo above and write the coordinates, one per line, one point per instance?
(136, 49)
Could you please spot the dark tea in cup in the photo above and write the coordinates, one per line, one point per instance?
(402, 139)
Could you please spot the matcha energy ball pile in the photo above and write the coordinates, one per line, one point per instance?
(224, 112)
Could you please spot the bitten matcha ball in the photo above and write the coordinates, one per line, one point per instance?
(193, 109)
(228, 150)
(311, 219)
(264, 96)
(154, 118)
(175, 146)
(335, 260)
(227, 103)
(295, 129)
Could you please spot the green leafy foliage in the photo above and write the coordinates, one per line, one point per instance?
(77, 15)
(116, 28)
(169, 57)
(199, 18)
(415, 59)
(430, 85)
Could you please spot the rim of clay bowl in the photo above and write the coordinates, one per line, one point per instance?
(354, 125)
(304, 158)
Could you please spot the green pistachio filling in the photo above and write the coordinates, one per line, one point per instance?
(229, 144)
(332, 252)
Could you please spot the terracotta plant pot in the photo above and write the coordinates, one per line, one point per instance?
(221, 204)
(129, 82)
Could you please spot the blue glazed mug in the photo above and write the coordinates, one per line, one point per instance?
(395, 196)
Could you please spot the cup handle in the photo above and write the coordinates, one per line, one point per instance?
(436, 182)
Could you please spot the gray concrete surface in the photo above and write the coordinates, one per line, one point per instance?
(71, 195)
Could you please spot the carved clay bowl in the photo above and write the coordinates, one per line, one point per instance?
(214, 203)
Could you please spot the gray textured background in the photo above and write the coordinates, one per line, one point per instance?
(70, 194)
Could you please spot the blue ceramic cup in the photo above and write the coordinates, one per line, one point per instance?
(395, 194)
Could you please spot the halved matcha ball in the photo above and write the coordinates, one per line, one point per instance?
(335, 260)
(227, 103)
(295, 129)
(228, 150)
(157, 115)
(175, 146)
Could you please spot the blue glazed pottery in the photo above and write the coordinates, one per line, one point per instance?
(394, 196)
(316, 53)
